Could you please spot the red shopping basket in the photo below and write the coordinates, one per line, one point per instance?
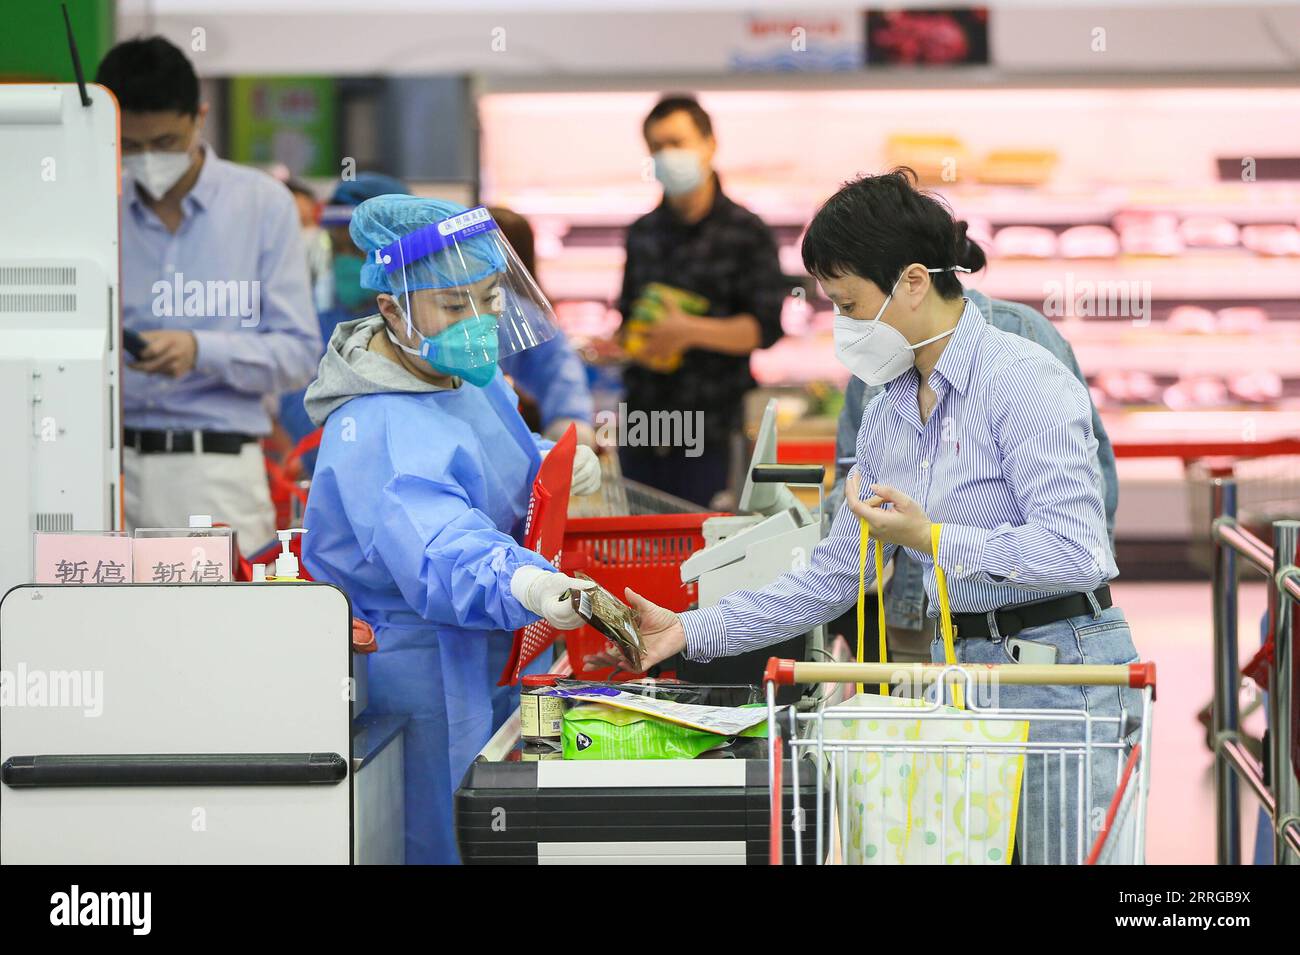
(641, 551)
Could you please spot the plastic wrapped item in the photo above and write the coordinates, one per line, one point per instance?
(1148, 233)
(1196, 392)
(648, 309)
(696, 694)
(1025, 242)
(596, 731)
(1142, 387)
(1256, 386)
(599, 731)
(612, 618)
(1088, 242)
(936, 158)
(1142, 240)
(1193, 318)
(1271, 239)
(1128, 387)
(1018, 167)
(1209, 232)
(1137, 218)
(1242, 319)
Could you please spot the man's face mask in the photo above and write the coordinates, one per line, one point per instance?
(157, 171)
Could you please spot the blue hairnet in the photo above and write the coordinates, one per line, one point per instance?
(367, 185)
(380, 221)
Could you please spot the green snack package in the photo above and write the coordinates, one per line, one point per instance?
(595, 731)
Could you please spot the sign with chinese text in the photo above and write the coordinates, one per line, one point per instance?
(182, 560)
(82, 559)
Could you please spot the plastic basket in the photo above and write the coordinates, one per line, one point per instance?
(644, 552)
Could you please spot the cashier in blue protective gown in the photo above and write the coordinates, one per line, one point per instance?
(422, 485)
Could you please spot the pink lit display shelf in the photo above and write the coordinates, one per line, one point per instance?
(1192, 276)
(1231, 274)
(1101, 346)
(779, 203)
(1188, 435)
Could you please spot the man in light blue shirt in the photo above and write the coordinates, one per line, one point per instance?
(214, 281)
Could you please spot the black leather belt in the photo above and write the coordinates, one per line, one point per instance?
(183, 442)
(1011, 620)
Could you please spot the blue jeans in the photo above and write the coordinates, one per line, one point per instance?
(1047, 831)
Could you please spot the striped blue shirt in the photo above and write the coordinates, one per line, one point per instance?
(1006, 463)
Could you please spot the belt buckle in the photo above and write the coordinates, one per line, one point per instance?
(167, 440)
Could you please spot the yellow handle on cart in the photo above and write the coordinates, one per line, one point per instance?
(945, 612)
(880, 599)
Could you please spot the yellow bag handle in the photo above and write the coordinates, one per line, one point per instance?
(945, 611)
(880, 600)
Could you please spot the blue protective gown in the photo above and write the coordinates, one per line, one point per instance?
(412, 509)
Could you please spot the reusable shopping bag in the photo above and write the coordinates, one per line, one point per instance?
(945, 805)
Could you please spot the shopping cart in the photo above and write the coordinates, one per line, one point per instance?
(1055, 815)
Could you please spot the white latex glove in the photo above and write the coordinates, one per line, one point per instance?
(584, 433)
(540, 591)
(586, 472)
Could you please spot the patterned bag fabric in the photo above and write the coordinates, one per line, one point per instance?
(908, 807)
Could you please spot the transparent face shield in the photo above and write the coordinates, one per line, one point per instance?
(466, 299)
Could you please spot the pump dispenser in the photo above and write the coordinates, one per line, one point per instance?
(286, 564)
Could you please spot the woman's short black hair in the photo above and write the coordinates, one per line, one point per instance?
(150, 75)
(875, 226)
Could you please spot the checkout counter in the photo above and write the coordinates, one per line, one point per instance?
(711, 810)
(513, 808)
(190, 724)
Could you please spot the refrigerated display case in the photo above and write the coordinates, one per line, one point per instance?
(1156, 235)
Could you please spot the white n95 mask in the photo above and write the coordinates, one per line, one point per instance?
(157, 172)
(876, 351)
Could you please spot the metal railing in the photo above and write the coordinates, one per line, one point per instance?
(1275, 782)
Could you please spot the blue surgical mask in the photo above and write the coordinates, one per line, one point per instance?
(678, 170)
(347, 284)
(468, 349)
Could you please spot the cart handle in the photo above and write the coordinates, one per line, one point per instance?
(1136, 675)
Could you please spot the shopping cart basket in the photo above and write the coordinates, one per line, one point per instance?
(1067, 805)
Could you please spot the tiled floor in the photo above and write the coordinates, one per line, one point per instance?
(1172, 625)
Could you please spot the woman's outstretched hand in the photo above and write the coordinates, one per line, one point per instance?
(660, 629)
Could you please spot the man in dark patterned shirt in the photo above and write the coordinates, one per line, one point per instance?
(702, 289)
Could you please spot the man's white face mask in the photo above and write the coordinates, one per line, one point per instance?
(876, 351)
(157, 172)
